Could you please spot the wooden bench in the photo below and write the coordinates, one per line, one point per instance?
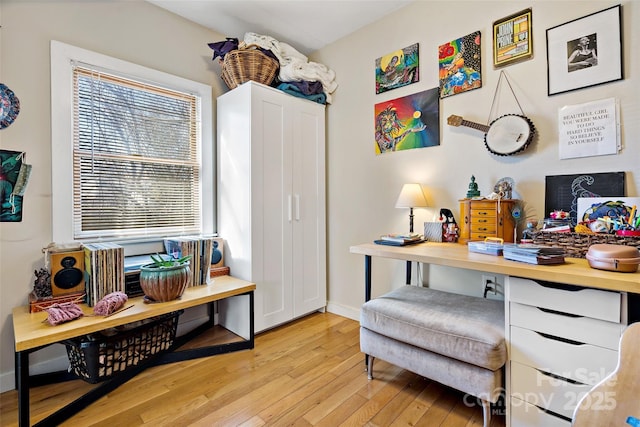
(456, 340)
(31, 334)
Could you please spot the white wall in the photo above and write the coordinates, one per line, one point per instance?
(363, 187)
(133, 31)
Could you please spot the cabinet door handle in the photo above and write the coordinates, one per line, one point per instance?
(289, 207)
(297, 196)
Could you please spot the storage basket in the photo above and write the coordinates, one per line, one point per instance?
(248, 63)
(97, 357)
(576, 245)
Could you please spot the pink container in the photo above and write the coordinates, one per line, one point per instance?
(621, 258)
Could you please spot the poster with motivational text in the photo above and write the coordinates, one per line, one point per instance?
(589, 129)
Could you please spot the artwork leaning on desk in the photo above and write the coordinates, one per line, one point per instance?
(587, 209)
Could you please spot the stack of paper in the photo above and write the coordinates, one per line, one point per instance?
(395, 239)
(533, 254)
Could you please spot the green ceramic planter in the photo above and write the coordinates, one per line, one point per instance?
(163, 284)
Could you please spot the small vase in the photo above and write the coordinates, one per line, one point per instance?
(163, 284)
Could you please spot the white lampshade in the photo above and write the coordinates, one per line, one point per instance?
(411, 196)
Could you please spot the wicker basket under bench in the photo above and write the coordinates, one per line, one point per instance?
(576, 245)
(98, 357)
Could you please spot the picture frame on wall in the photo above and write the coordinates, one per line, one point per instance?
(460, 65)
(409, 122)
(585, 52)
(398, 68)
(512, 39)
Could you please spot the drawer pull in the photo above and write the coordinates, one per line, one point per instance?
(559, 313)
(564, 340)
(563, 287)
(558, 377)
(555, 414)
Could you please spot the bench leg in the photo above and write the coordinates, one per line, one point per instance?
(370, 367)
(486, 412)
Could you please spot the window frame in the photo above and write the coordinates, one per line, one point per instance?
(63, 58)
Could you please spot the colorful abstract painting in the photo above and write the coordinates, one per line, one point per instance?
(459, 62)
(397, 69)
(10, 203)
(408, 122)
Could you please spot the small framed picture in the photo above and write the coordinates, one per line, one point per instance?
(397, 69)
(512, 39)
(585, 52)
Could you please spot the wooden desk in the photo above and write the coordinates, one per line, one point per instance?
(31, 334)
(575, 341)
(574, 272)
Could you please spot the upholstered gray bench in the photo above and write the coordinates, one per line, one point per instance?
(456, 340)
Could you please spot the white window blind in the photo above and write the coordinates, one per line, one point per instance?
(136, 158)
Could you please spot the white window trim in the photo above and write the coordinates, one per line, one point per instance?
(62, 58)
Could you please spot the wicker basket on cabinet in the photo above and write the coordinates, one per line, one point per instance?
(248, 63)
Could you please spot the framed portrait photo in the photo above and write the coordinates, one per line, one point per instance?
(512, 39)
(585, 52)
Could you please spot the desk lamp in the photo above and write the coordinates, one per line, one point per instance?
(411, 197)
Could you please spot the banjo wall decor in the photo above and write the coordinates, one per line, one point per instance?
(506, 135)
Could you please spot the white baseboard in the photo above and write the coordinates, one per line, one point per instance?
(344, 311)
(7, 379)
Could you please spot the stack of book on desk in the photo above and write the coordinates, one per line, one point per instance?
(395, 239)
(533, 254)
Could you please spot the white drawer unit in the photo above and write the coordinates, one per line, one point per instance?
(595, 303)
(569, 326)
(562, 340)
(546, 390)
(524, 414)
(582, 362)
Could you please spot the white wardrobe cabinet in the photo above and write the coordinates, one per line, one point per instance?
(271, 201)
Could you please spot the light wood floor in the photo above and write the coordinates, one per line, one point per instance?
(306, 373)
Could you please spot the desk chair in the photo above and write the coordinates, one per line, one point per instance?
(615, 401)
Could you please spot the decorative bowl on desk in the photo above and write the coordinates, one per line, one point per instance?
(165, 280)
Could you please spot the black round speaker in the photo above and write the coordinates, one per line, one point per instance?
(69, 277)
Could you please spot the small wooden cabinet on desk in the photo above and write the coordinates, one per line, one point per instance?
(484, 218)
